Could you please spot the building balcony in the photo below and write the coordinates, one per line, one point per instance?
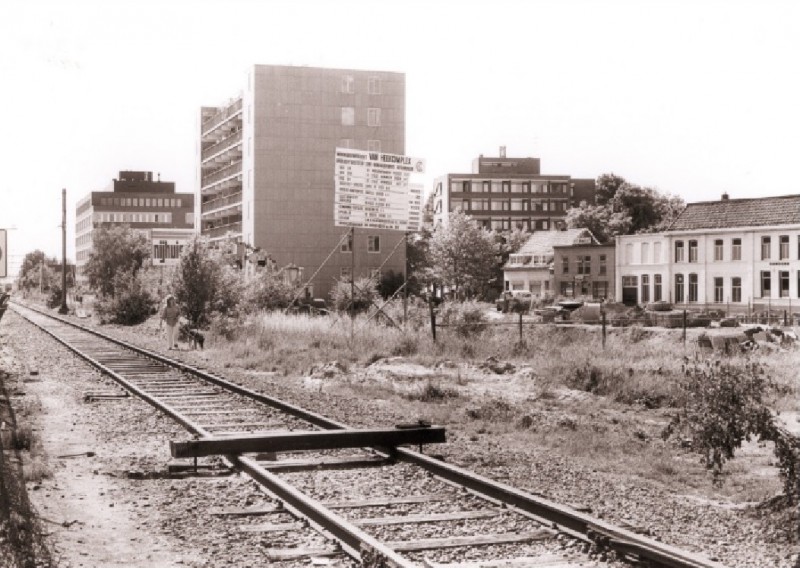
(229, 230)
(222, 173)
(225, 114)
(224, 187)
(226, 143)
(222, 202)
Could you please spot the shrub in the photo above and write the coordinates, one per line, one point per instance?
(54, 299)
(365, 294)
(466, 318)
(268, 291)
(723, 404)
(131, 304)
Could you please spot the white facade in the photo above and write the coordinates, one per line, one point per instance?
(740, 268)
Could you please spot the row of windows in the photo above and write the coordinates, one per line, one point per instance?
(686, 287)
(349, 85)
(570, 289)
(507, 205)
(349, 116)
(583, 264)
(138, 218)
(658, 288)
(509, 224)
(372, 145)
(508, 186)
(140, 202)
(735, 249)
(783, 284)
(373, 244)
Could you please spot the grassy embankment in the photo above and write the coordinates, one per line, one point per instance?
(603, 405)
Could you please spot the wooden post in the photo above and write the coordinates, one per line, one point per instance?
(784, 319)
(433, 319)
(603, 319)
(684, 327)
(520, 328)
(63, 309)
(352, 282)
(405, 284)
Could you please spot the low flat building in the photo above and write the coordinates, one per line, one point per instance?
(144, 204)
(739, 255)
(532, 267)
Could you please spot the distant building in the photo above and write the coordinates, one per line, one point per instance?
(532, 267)
(266, 167)
(153, 207)
(505, 193)
(584, 270)
(732, 254)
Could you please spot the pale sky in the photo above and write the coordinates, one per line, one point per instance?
(695, 98)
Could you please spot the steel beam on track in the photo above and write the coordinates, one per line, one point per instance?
(306, 440)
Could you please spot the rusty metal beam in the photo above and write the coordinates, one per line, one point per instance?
(307, 440)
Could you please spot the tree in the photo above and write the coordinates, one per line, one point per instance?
(624, 209)
(606, 187)
(418, 259)
(204, 282)
(603, 222)
(115, 250)
(463, 256)
(36, 272)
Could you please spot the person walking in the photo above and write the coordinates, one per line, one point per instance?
(170, 315)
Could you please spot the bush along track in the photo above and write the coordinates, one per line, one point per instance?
(725, 404)
(21, 537)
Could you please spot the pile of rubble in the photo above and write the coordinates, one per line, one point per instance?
(753, 338)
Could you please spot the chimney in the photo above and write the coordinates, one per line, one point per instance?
(502, 151)
(725, 196)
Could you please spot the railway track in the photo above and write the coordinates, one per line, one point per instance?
(379, 505)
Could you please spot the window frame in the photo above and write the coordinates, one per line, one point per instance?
(374, 117)
(736, 249)
(719, 250)
(373, 244)
(679, 248)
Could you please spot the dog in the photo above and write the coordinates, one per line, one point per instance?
(191, 335)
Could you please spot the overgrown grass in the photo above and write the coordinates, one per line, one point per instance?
(634, 367)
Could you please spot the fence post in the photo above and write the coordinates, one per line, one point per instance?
(520, 328)
(684, 327)
(603, 317)
(433, 320)
(784, 319)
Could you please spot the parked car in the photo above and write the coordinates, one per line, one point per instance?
(514, 301)
(550, 314)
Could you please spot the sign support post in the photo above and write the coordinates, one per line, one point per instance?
(63, 309)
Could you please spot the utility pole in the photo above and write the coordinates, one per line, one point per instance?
(63, 309)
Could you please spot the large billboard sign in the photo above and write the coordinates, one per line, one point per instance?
(373, 190)
(3, 253)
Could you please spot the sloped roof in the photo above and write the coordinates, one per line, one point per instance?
(726, 213)
(542, 242)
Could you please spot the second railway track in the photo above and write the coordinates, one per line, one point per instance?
(377, 506)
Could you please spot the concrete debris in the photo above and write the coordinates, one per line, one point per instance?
(497, 367)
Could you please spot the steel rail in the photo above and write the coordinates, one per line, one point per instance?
(354, 540)
(563, 518)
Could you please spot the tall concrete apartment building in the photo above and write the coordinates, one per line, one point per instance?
(504, 193)
(266, 166)
(136, 200)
